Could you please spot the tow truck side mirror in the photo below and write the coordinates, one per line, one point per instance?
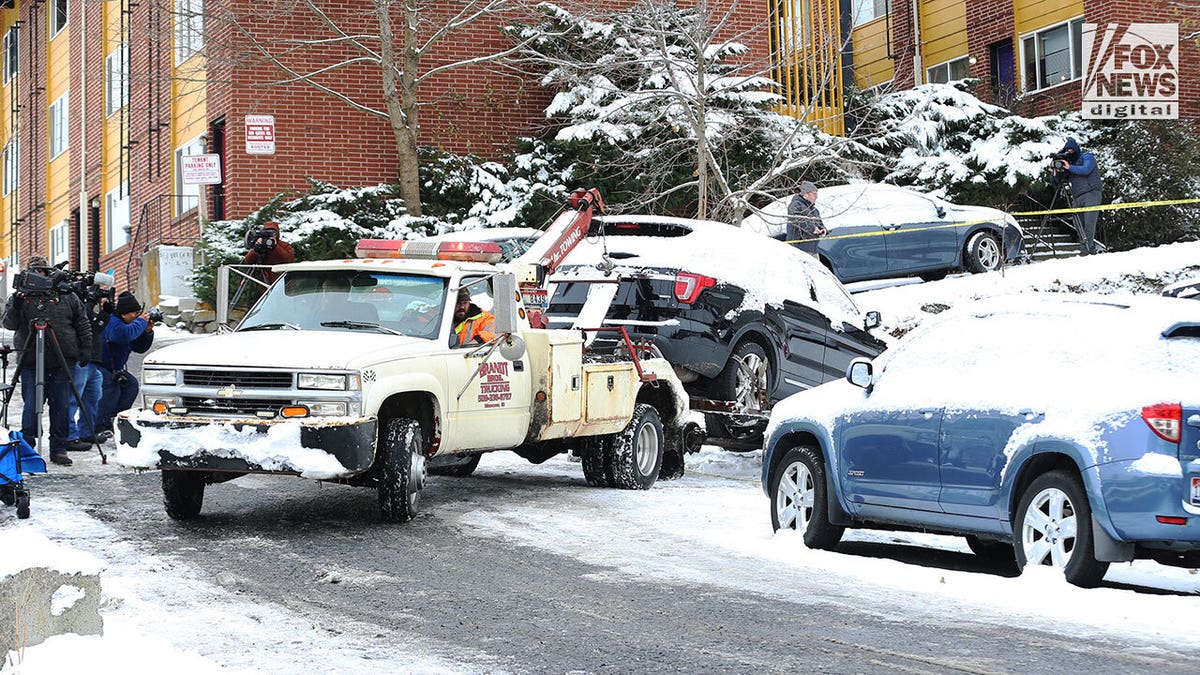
(504, 306)
(873, 320)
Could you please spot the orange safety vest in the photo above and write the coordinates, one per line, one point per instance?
(481, 328)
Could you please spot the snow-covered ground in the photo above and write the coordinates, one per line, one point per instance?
(162, 615)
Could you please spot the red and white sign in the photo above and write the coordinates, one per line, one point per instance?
(260, 134)
(200, 169)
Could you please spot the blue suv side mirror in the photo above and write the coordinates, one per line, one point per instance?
(859, 373)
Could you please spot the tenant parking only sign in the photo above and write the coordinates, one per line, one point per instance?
(260, 134)
(200, 169)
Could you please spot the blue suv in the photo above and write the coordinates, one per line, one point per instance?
(1047, 430)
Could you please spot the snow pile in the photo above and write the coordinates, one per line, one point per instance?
(277, 450)
(25, 547)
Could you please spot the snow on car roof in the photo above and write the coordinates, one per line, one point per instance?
(769, 271)
(488, 234)
(866, 204)
(1084, 363)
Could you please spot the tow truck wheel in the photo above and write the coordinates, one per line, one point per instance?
(637, 451)
(403, 471)
(183, 493)
(596, 457)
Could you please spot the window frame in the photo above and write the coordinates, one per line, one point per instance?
(58, 243)
(187, 197)
(58, 16)
(12, 165)
(116, 79)
(59, 131)
(947, 65)
(1074, 28)
(188, 27)
(116, 203)
(12, 53)
(878, 10)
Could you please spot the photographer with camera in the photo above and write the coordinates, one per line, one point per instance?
(127, 331)
(266, 248)
(43, 300)
(1080, 170)
(97, 293)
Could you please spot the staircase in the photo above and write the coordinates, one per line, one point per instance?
(1047, 238)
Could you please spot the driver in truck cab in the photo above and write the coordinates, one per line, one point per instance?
(472, 325)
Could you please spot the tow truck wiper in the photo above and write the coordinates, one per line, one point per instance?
(271, 326)
(361, 324)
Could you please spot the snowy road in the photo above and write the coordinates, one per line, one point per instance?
(524, 568)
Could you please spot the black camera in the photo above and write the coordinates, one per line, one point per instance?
(262, 239)
(155, 315)
(43, 282)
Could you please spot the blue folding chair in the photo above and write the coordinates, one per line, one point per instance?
(18, 458)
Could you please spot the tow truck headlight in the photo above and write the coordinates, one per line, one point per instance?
(327, 409)
(160, 404)
(158, 376)
(326, 381)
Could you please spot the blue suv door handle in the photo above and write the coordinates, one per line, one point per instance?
(1193, 421)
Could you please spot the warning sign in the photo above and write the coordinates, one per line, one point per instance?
(260, 134)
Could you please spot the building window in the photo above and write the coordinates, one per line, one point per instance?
(60, 237)
(116, 218)
(187, 197)
(189, 28)
(950, 70)
(12, 166)
(116, 79)
(60, 116)
(58, 16)
(869, 10)
(11, 53)
(1052, 56)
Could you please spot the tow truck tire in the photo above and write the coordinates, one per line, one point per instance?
(458, 466)
(183, 493)
(596, 457)
(402, 474)
(637, 450)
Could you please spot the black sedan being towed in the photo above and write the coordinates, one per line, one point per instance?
(742, 318)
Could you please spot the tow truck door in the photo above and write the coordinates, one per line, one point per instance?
(489, 394)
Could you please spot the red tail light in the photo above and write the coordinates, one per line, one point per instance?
(688, 286)
(1165, 420)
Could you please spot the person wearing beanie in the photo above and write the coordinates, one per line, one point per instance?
(804, 224)
(127, 331)
(89, 380)
(1086, 190)
(67, 321)
(472, 325)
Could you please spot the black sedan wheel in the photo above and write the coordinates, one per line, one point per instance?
(983, 253)
(799, 500)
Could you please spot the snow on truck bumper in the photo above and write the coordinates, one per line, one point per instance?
(324, 449)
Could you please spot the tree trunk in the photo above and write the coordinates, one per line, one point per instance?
(400, 94)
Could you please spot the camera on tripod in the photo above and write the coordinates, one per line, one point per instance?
(262, 239)
(43, 282)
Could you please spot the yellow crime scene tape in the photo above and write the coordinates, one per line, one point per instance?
(1051, 212)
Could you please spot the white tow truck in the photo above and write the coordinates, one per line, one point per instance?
(349, 371)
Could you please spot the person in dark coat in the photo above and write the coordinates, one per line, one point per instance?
(1086, 190)
(804, 224)
(127, 331)
(89, 380)
(269, 251)
(67, 321)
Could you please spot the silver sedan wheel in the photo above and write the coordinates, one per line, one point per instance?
(988, 253)
(646, 446)
(1048, 531)
(751, 379)
(794, 501)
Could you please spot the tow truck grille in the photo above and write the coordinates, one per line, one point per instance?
(246, 380)
(237, 406)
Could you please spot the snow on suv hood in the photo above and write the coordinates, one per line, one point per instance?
(290, 349)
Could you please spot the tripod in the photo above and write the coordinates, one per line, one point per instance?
(1059, 188)
(39, 328)
(256, 275)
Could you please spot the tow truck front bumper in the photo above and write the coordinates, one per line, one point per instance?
(248, 445)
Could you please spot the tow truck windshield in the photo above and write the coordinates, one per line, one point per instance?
(352, 301)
